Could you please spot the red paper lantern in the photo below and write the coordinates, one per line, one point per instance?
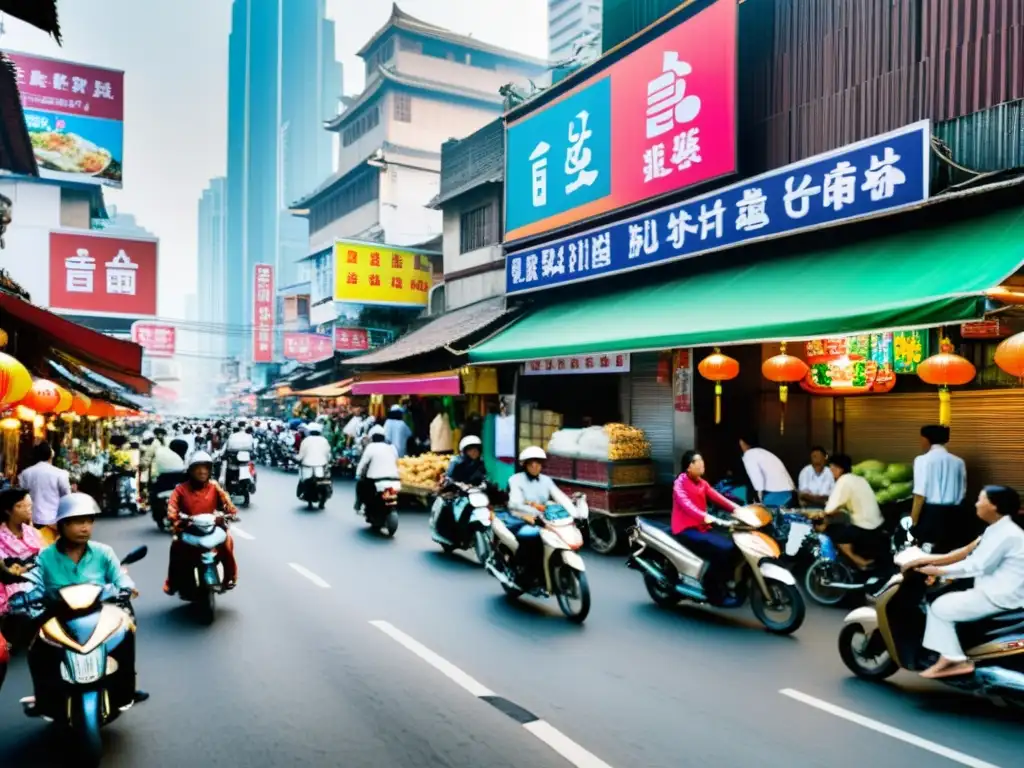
(946, 369)
(65, 398)
(717, 367)
(100, 409)
(43, 397)
(80, 404)
(1010, 355)
(784, 370)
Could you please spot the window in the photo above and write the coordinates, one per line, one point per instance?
(366, 122)
(357, 192)
(380, 56)
(413, 46)
(477, 228)
(403, 107)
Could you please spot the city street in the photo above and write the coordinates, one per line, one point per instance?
(341, 647)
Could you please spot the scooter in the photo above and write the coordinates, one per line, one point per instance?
(88, 639)
(877, 641)
(315, 486)
(240, 477)
(204, 533)
(381, 512)
(460, 518)
(122, 494)
(160, 494)
(672, 573)
(563, 572)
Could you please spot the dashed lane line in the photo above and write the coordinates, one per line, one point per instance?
(303, 571)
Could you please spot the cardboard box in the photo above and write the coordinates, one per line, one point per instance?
(552, 419)
(524, 443)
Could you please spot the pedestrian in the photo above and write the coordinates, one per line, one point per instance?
(47, 485)
(816, 481)
(940, 485)
(440, 431)
(397, 431)
(769, 477)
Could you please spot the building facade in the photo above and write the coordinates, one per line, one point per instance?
(283, 82)
(570, 24)
(212, 271)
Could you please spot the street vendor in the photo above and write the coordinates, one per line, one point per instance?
(940, 484)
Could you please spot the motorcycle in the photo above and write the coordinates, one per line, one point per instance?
(563, 574)
(381, 512)
(88, 637)
(204, 533)
(460, 518)
(348, 460)
(121, 492)
(877, 641)
(240, 478)
(315, 486)
(160, 494)
(673, 573)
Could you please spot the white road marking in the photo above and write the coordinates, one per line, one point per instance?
(541, 729)
(242, 534)
(887, 730)
(310, 575)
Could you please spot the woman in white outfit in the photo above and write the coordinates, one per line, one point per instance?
(995, 561)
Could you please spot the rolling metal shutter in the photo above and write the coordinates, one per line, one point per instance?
(652, 410)
(986, 431)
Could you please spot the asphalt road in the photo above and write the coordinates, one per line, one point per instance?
(340, 647)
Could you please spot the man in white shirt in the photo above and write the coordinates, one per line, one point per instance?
(768, 475)
(240, 440)
(861, 539)
(940, 484)
(315, 450)
(816, 480)
(995, 561)
(379, 462)
(352, 429)
(46, 484)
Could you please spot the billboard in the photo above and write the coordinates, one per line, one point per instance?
(351, 339)
(158, 339)
(374, 273)
(75, 117)
(99, 274)
(263, 314)
(674, 126)
(307, 347)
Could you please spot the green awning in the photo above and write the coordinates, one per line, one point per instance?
(918, 278)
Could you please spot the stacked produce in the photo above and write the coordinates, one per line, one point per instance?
(626, 442)
(891, 482)
(422, 471)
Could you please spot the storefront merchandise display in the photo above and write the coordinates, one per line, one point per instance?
(421, 472)
(890, 482)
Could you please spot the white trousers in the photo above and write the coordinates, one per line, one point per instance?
(946, 611)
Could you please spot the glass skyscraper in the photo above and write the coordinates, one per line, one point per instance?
(283, 82)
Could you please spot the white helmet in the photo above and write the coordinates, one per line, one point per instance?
(200, 457)
(534, 452)
(76, 505)
(468, 442)
(377, 430)
(315, 428)
(148, 435)
(397, 409)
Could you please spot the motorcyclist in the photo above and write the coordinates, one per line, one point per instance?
(529, 493)
(199, 495)
(240, 440)
(379, 462)
(468, 467)
(75, 559)
(149, 446)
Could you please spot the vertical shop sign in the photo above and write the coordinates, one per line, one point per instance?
(682, 392)
(909, 349)
(263, 314)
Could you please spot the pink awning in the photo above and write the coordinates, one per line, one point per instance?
(410, 385)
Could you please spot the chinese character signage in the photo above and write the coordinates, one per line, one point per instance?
(613, 362)
(880, 175)
(263, 314)
(674, 125)
(351, 339)
(850, 365)
(158, 339)
(374, 273)
(75, 118)
(909, 349)
(91, 272)
(307, 347)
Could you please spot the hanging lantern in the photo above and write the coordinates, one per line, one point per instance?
(15, 380)
(24, 413)
(3, 338)
(944, 370)
(80, 404)
(10, 424)
(100, 409)
(717, 367)
(784, 370)
(64, 403)
(1010, 356)
(43, 396)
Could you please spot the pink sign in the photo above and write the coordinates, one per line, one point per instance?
(263, 314)
(158, 339)
(307, 347)
(351, 339)
(51, 85)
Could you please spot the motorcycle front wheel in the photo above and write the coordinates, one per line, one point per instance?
(572, 592)
(858, 653)
(85, 725)
(784, 612)
(207, 606)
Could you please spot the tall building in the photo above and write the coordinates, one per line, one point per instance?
(570, 22)
(283, 83)
(212, 271)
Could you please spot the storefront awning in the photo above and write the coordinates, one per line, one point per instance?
(337, 389)
(917, 278)
(442, 383)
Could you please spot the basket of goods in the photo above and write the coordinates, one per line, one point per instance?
(422, 472)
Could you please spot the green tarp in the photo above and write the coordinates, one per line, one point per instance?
(917, 278)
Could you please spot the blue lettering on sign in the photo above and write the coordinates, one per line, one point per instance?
(882, 174)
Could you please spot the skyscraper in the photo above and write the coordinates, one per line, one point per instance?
(283, 82)
(212, 285)
(569, 21)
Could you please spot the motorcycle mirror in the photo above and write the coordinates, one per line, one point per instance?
(135, 555)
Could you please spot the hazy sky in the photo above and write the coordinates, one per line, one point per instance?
(174, 55)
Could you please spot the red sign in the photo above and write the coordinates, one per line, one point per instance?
(157, 339)
(307, 347)
(263, 314)
(52, 85)
(351, 339)
(984, 329)
(90, 272)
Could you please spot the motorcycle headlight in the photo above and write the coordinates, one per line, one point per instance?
(84, 668)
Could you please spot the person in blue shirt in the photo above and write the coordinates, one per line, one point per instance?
(396, 431)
